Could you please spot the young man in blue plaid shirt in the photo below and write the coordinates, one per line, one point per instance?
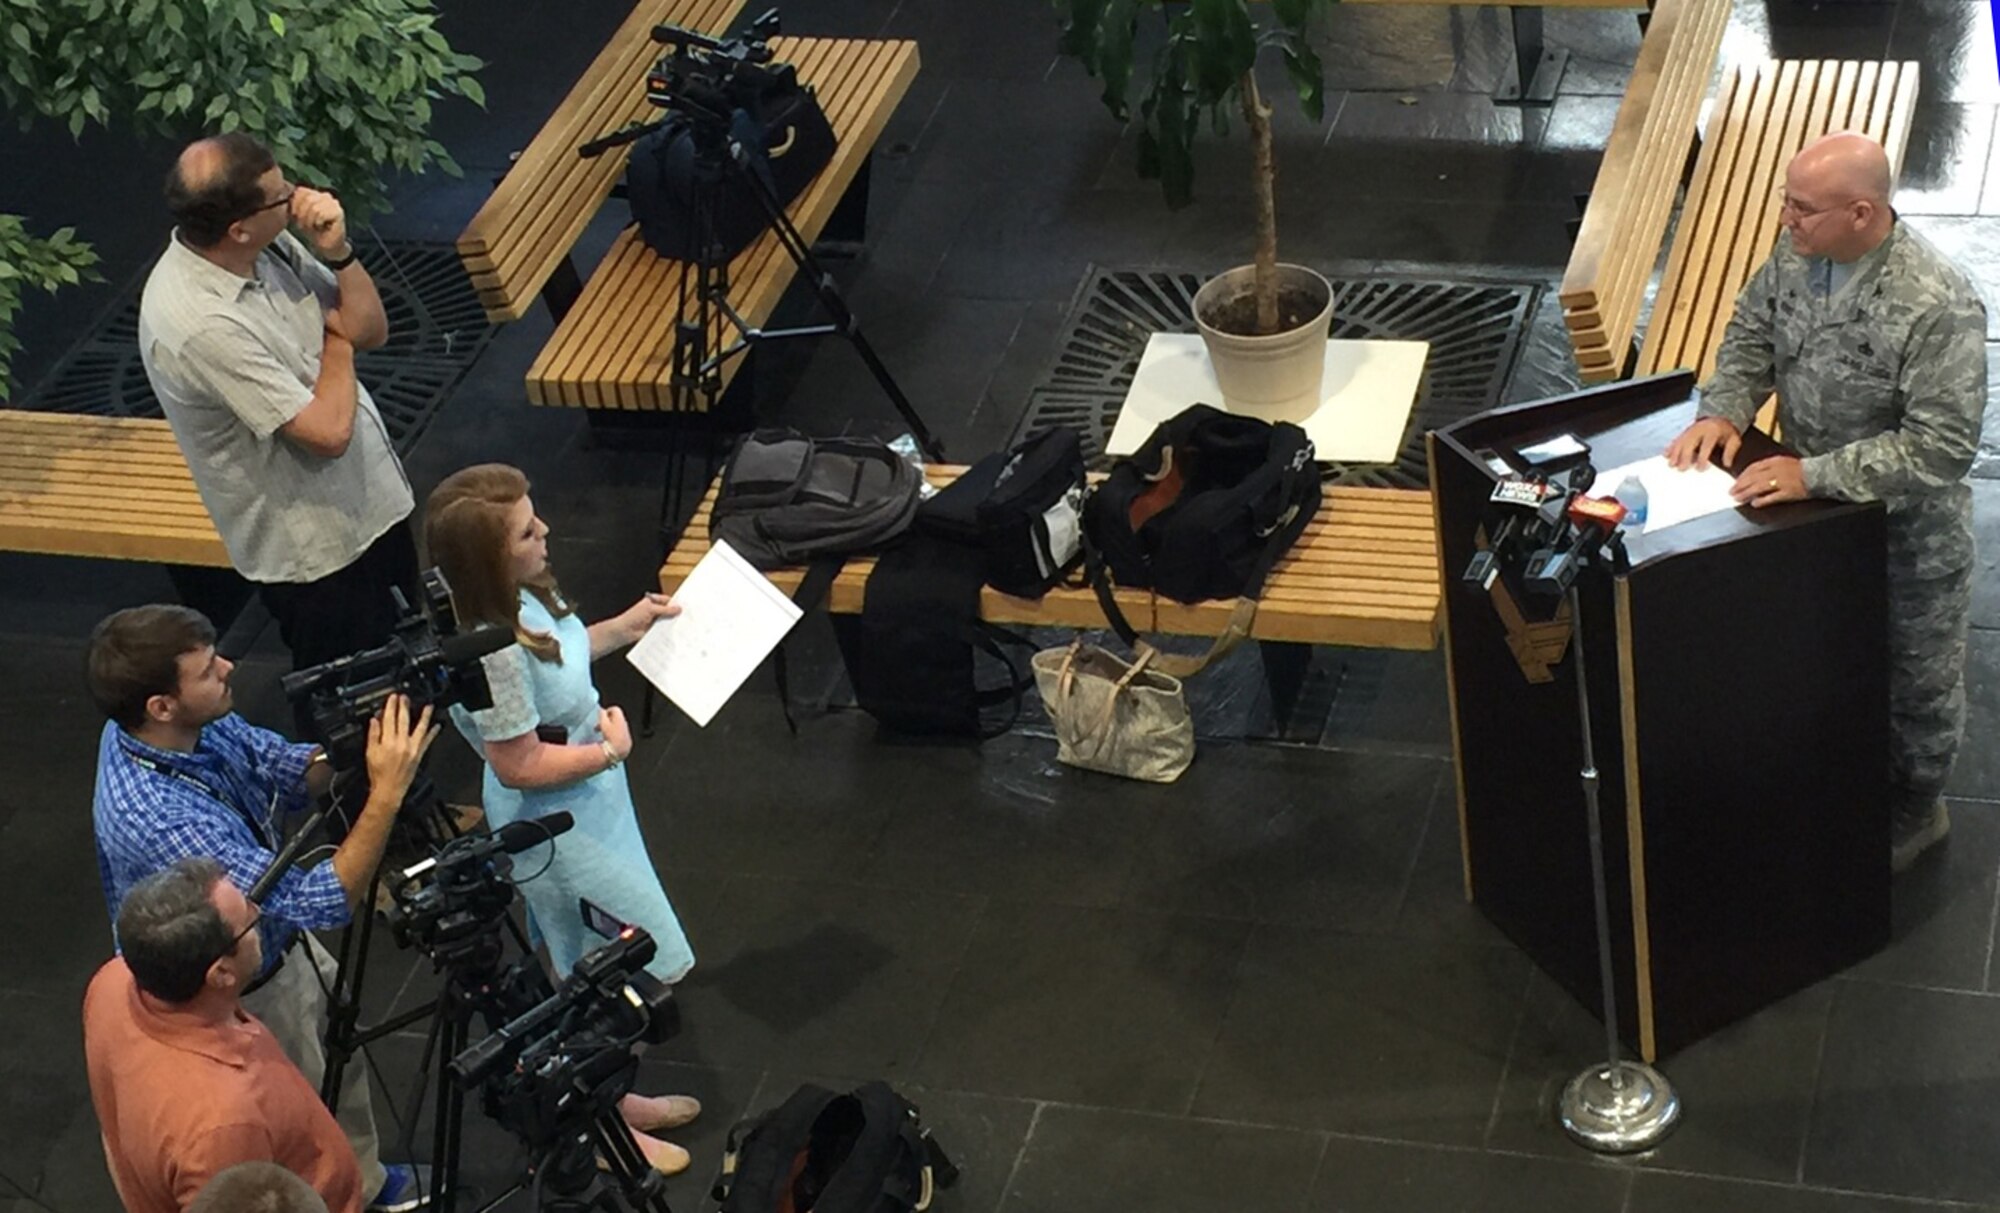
(180, 775)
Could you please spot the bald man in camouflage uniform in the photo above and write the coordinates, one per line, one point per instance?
(1875, 345)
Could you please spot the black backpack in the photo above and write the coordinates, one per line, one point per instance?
(1206, 506)
(787, 499)
(786, 139)
(864, 1151)
(1021, 509)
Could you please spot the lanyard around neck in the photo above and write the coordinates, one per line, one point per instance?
(257, 829)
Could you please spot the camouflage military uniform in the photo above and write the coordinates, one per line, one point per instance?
(1881, 388)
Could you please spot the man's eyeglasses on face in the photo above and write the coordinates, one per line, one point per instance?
(236, 940)
(284, 199)
(1788, 205)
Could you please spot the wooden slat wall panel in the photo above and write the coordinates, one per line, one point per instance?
(113, 487)
(1631, 200)
(1365, 573)
(542, 205)
(1764, 114)
(615, 348)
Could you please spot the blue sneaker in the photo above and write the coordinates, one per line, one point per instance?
(407, 1188)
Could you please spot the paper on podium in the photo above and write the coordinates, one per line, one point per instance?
(731, 618)
(1671, 496)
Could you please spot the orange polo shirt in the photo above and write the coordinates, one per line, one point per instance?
(179, 1100)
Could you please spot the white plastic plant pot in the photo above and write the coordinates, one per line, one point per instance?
(1277, 376)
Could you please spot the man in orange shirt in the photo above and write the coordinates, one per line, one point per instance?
(185, 1082)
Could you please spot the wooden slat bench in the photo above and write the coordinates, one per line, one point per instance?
(1645, 160)
(1365, 574)
(519, 242)
(112, 487)
(614, 348)
(1764, 114)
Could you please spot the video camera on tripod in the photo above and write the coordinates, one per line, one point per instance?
(426, 658)
(554, 1075)
(1542, 525)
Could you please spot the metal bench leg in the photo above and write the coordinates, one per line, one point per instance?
(561, 290)
(1285, 666)
(1538, 70)
(846, 229)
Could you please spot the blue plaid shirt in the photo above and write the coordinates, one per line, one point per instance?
(154, 807)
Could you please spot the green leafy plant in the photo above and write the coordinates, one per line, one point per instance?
(340, 92)
(25, 261)
(1204, 66)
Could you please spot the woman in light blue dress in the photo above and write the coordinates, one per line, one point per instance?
(549, 744)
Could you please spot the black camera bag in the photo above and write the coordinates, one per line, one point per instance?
(864, 1151)
(1207, 501)
(671, 184)
(1022, 509)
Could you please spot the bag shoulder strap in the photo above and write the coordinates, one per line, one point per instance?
(757, 1158)
(819, 577)
(887, 1162)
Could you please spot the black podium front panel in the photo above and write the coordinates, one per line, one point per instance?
(1739, 695)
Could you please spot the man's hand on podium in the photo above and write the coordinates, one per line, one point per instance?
(1771, 481)
(1708, 438)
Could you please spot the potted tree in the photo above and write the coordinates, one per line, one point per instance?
(1265, 324)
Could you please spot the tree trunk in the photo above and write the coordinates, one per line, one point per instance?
(1264, 173)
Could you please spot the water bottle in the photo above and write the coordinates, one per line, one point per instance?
(1632, 495)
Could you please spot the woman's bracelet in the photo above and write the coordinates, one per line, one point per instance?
(611, 758)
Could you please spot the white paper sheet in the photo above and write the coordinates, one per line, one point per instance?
(1671, 496)
(731, 618)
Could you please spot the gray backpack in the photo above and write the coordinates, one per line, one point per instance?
(787, 499)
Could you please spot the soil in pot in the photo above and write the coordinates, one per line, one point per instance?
(1238, 316)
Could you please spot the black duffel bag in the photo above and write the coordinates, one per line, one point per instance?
(674, 187)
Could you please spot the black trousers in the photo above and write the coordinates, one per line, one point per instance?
(346, 611)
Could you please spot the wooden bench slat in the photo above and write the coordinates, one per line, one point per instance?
(614, 348)
(535, 214)
(1765, 114)
(1366, 573)
(113, 487)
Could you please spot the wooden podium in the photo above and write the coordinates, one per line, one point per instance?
(1739, 691)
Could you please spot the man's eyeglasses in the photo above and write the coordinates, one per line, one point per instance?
(1788, 205)
(236, 940)
(284, 199)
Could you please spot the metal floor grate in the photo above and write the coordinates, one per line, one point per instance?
(1475, 327)
(436, 330)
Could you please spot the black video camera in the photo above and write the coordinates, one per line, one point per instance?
(699, 76)
(427, 658)
(454, 901)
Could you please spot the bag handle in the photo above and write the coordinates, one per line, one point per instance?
(1098, 731)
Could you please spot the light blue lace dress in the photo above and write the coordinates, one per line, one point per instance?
(603, 857)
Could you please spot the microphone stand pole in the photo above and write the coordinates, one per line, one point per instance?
(1621, 1106)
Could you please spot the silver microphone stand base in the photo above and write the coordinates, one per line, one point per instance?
(1619, 1107)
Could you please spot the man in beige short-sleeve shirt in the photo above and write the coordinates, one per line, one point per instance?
(248, 334)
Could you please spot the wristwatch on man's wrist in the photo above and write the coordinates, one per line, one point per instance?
(341, 262)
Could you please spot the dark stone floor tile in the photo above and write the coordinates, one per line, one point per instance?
(74, 1175)
(1952, 43)
(1602, 45)
(1752, 1083)
(1977, 771)
(1807, 29)
(1387, 701)
(1434, 904)
(1547, 365)
(1094, 1158)
(1252, 839)
(1653, 1192)
(1378, 1177)
(1974, 245)
(1038, 248)
(42, 1055)
(1365, 1035)
(51, 597)
(983, 1135)
(1012, 131)
(1580, 123)
(1986, 464)
(741, 796)
(1024, 364)
(1986, 550)
(1002, 40)
(1006, 820)
(1945, 165)
(1943, 911)
(1401, 48)
(1909, 1095)
(840, 976)
(1102, 1007)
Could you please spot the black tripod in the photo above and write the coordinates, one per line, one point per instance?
(703, 344)
(475, 982)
